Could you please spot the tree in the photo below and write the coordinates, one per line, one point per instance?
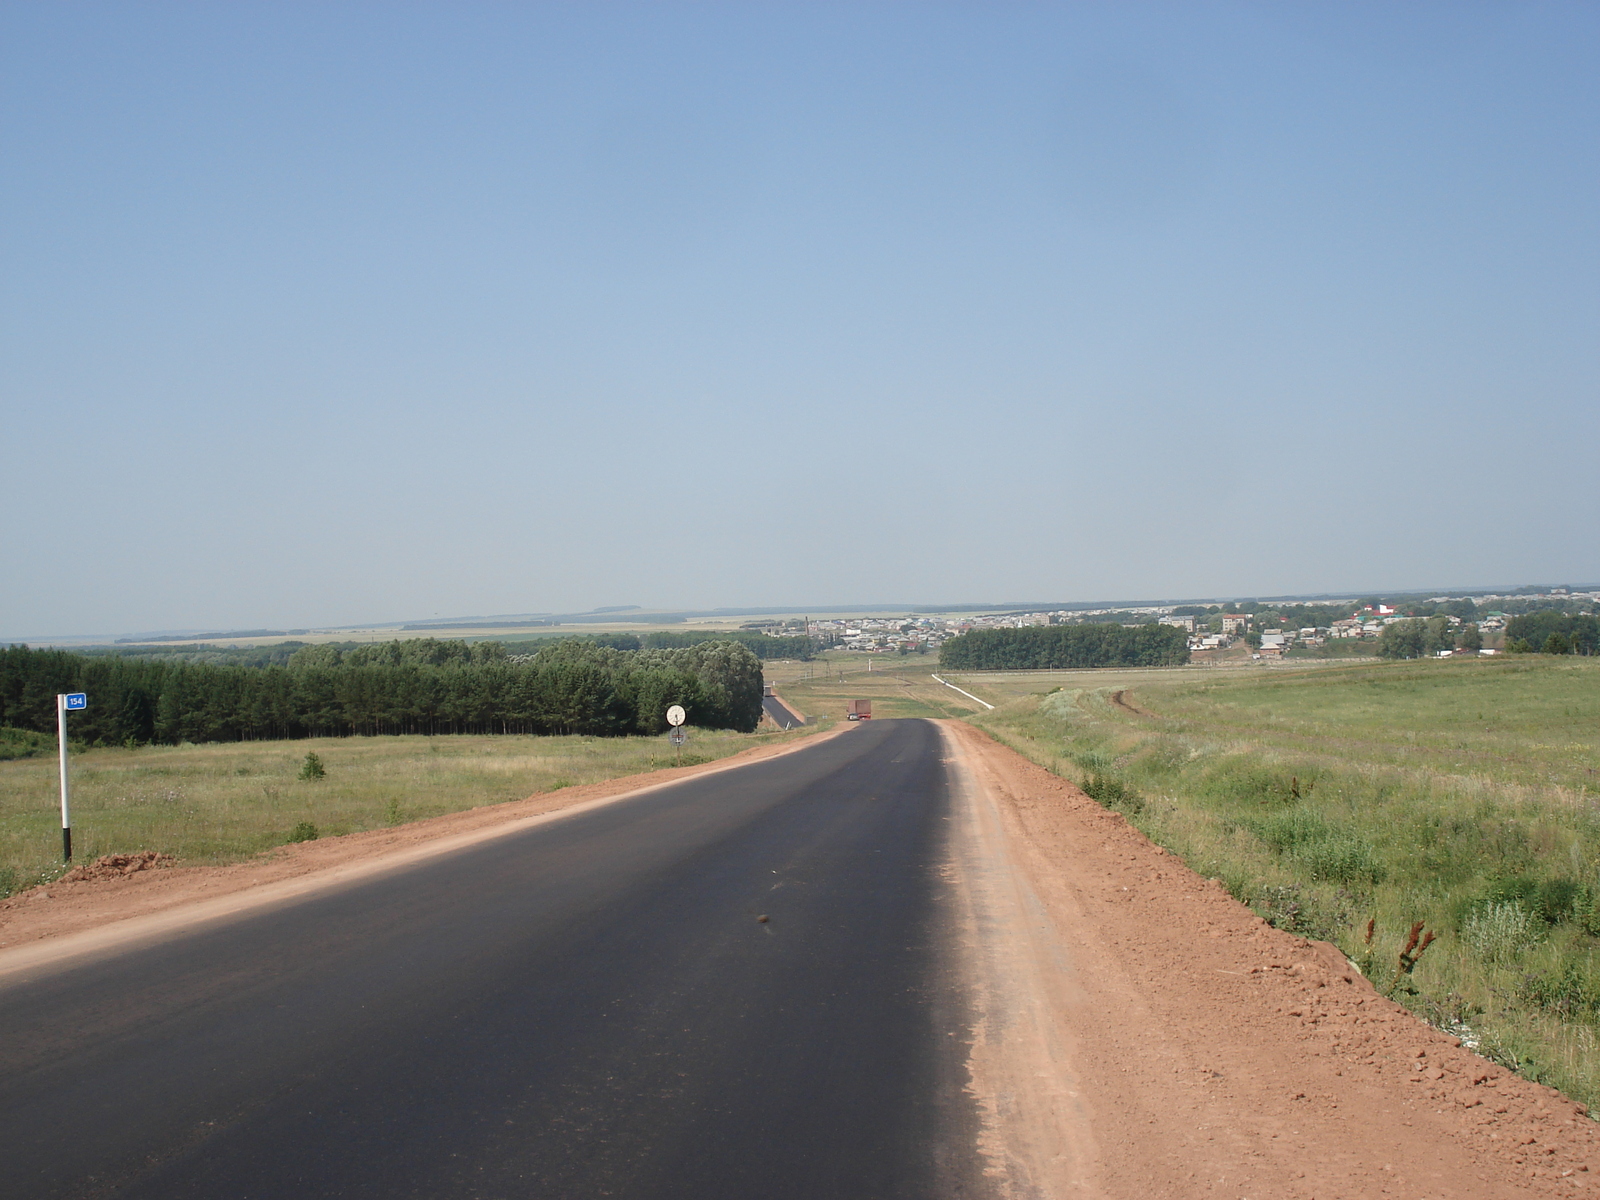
(1557, 644)
(1436, 635)
(1402, 639)
(1581, 632)
(1470, 638)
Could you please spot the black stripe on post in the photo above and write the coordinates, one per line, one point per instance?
(66, 843)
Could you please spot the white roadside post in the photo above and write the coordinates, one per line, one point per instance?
(676, 717)
(66, 702)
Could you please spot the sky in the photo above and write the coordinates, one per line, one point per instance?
(327, 313)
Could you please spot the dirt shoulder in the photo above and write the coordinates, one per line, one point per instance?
(1205, 1053)
(71, 917)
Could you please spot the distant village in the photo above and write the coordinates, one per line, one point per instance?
(1211, 628)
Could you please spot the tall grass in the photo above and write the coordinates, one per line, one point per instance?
(1460, 795)
(219, 803)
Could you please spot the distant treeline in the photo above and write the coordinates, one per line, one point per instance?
(1063, 647)
(1302, 616)
(419, 686)
(1553, 633)
(1548, 631)
(279, 653)
(763, 647)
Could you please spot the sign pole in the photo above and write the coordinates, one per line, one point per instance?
(676, 717)
(66, 815)
(65, 703)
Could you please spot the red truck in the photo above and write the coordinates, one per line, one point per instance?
(859, 710)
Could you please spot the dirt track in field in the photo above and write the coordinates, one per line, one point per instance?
(1200, 1052)
(1119, 699)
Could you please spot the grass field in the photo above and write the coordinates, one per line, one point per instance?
(897, 686)
(222, 802)
(1462, 794)
(904, 686)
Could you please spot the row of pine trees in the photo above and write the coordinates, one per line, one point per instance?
(1066, 647)
(423, 686)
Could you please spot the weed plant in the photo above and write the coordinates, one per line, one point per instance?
(1438, 821)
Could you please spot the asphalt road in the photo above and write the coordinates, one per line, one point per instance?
(589, 1008)
(778, 712)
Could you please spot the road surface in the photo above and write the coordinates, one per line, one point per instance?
(589, 1008)
(779, 712)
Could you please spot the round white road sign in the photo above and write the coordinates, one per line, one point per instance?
(676, 715)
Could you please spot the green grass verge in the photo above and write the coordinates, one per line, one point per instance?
(1461, 794)
(220, 803)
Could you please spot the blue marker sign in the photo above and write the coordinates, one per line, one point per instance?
(77, 700)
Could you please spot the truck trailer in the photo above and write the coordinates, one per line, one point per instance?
(859, 710)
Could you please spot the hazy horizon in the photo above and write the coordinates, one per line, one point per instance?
(628, 613)
(317, 315)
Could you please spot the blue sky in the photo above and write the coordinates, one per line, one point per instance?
(326, 313)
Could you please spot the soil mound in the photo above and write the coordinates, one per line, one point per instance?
(118, 866)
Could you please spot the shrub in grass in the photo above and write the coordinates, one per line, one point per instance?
(1551, 900)
(1288, 831)
(303, 832)
(312, 768)
(24, 743)
(1113, 793)
(1241, 782)
(1568, 992)
(1283, 908)
(1341, 859)
(1093, 761)
(1500, 932)
(1309, 912)
(1161, 758)
(1326, 853)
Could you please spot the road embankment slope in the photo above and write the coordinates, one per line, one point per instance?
(1196, 1051)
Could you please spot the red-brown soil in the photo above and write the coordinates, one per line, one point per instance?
(118, 866)
(1212, 1055)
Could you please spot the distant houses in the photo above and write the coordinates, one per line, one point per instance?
(1208, 630)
